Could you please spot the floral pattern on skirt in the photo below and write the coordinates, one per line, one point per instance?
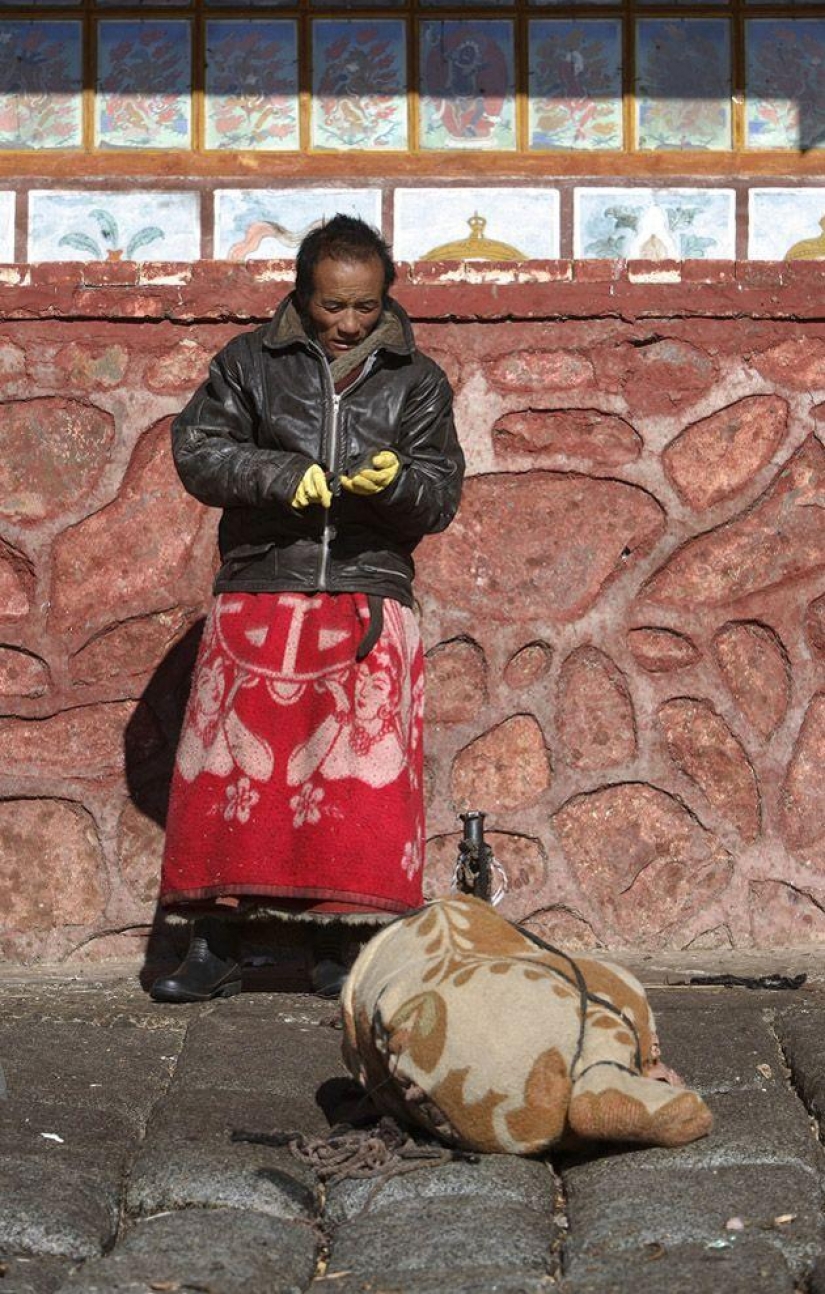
(299, 769)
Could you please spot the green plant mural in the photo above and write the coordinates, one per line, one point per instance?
(109, 246)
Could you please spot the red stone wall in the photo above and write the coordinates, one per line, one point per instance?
(625, 626)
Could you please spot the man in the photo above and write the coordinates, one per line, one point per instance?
(328, 440)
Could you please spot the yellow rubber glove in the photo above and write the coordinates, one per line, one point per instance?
(312, 488)
(371, 480)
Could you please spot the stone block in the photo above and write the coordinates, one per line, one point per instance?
(225, 1251)
(25, 1275)
(213, 1113)
(502, 1179)
(642, 859)
(718, 457)
(617, 1204)
(40, 839)
(133, 554)
(602, 439)
(54, 452)
(756, 1268)
(780, 538)
(444, 1234)
(21, 673)
(594, 715)
(445, 1280)
(802, 803)
(456, 674)
(55, 1208)
(736, 1045)
(289, 1059)
(703, 747)
(801, 1032)
(124, 1069)
(530, 664)
(658, 651)
(505, 768)
(756, 669)
(541, 370)
(221, 1174)
(557, 540)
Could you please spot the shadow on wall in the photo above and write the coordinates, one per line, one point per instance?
(161, 707)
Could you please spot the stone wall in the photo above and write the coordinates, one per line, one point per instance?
(625, 626)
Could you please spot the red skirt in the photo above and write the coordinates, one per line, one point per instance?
(299, 770)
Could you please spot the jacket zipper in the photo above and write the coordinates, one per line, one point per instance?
(333, 447)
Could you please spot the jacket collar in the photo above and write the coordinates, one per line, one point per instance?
(392, 333)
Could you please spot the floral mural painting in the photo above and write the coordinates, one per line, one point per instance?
(252, 85)
(81, 225)
(144, 84)
(268, 224)
(784, 80)
(109, 246)
(683, 83)
(576, 84)
(41, 82)
(655, 224)
(467, 85)
(359, 84)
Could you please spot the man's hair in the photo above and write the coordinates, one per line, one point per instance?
(343, 238)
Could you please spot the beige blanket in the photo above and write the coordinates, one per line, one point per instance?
(456, 1020)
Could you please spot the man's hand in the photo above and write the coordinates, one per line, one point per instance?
(312, 488)
(371, 480)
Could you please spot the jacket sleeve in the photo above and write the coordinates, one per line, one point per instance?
(214, 442)
(425, 495)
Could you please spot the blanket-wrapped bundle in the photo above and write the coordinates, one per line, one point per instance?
(458, 1021)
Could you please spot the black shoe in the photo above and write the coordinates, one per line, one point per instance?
(335, 949)
(203, 974)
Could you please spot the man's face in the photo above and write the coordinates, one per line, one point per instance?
(346, 302)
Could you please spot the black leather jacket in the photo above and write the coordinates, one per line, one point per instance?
(268, 410)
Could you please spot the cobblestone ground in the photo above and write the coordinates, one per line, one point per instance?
(119, 1171)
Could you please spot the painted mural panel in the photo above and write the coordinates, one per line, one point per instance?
(485, 224)
(683, 83)
(252, 85)
(268, 224)
(467, 85)
(785, 104)
(7, 213)
(786, 224)
(144, 83)
(41, 80)
(575, 80)
(655, 224)
(359, 84)
(73, 225)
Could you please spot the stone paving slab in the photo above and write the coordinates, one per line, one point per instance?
(214, 1113)
(32, 1275)
(176, 1175)
(719, 1047)
(619, 1203)
(801, 1032)
(222, 1251)
(501, 1178)
(80, 1063)
(229, 1049)
(51, 1208)
(756, 1268)
(29, 1126)
(447, 1280)
(444, 1234)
